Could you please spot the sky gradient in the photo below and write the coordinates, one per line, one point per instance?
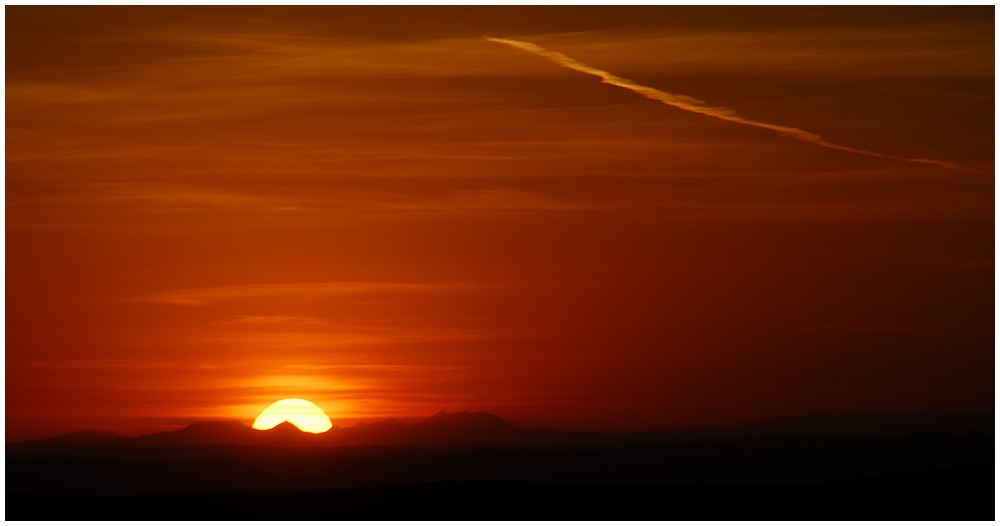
(384, 212)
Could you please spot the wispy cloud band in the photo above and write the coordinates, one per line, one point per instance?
(208, 295)
(693, 105)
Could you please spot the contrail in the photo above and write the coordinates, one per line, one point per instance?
(696, 106)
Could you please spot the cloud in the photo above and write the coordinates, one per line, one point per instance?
(111, 364)
(938, 50)
(208, 295)
(693, 105)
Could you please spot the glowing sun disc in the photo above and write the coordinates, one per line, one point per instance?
(303, 414)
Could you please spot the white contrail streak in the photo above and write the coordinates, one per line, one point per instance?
(696, 106)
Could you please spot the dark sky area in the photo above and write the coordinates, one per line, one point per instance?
(381, 211)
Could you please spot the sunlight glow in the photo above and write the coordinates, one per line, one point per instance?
(303, 414)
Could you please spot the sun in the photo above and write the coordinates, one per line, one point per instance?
(303, 414)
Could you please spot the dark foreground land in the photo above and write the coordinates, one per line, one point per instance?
(942, 477)
(477, 466)
(964, 493)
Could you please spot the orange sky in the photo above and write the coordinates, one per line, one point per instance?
(381, 211)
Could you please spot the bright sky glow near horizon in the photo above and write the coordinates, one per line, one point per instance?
(385, 212)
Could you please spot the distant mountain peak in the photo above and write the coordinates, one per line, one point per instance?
(464, 416)
(482, 428)
(217, 424)
(94, 433)
(284, 428)
(464, 421)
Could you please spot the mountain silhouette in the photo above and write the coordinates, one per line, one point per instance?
(230, 432)
(441, 429)
(287, 434)
(862, 425)
(466, 420)
(80, 439)
(465, 428)
(458, 459)
(233, 433)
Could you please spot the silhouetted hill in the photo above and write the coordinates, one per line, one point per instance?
(230, 433)
(484, 429)
(443, 429)
(860, 425)
(80, 439)
(203, 433)
(451, 458)
(234, 433)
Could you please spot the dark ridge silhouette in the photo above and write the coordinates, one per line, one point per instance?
(286, 434)
(477, 466)
(484, 429)
(203, 433)
(864, 425)
(441, 429)
(80, 439)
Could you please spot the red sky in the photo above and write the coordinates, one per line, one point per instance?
(379, 210)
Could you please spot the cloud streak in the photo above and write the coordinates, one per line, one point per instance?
(693, 105)
(301, 291)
